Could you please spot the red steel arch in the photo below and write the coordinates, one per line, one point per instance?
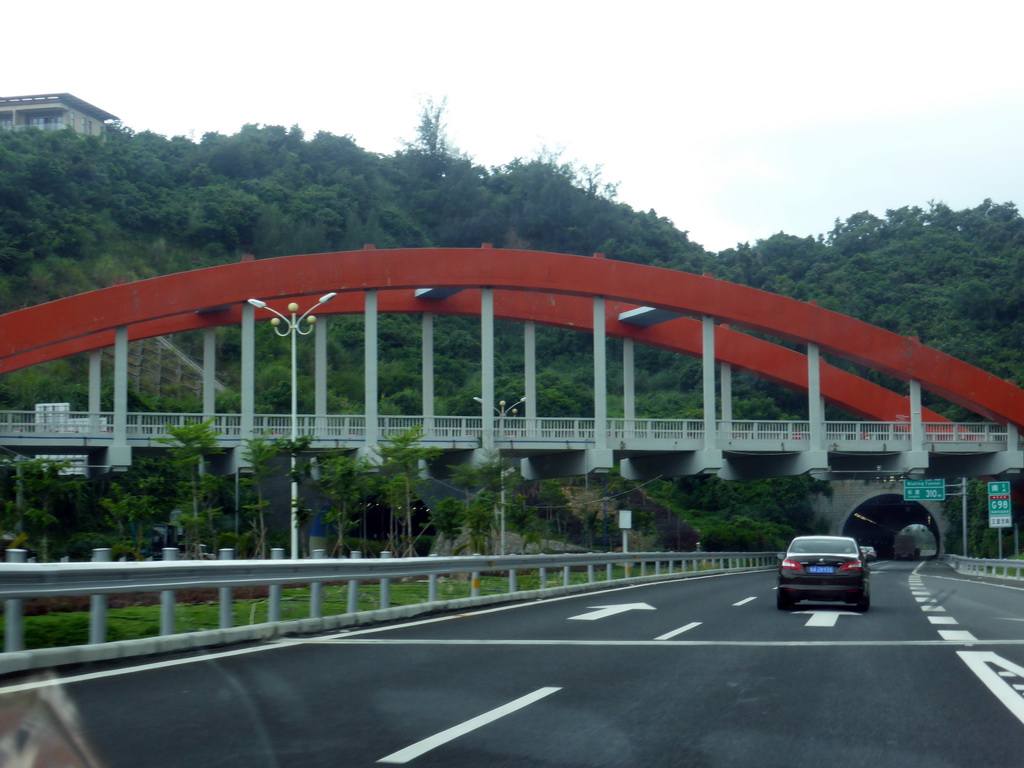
(530, 285)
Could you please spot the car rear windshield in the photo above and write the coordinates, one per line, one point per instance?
(823, 547)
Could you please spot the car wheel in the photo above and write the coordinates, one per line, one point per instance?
(863, 603)
(782, 601)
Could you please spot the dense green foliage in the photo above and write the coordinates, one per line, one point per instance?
(78, 213)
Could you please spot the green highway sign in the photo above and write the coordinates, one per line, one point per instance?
(924, 490)
(1000, 510)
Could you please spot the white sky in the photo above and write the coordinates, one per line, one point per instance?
(736, 119)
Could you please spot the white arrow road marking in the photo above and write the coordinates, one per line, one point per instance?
(980, 663)
(601, 611)
(824, 618)
(417, 749)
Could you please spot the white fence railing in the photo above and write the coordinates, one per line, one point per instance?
(142, 426)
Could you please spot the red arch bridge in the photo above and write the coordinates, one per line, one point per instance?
(888, 432)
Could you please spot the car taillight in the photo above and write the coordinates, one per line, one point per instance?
(793, 564)
(852, 565)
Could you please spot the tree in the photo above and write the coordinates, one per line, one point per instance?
(402, 463)
(258, 453)
(47, 485)
(347, 482)
(138, 500)
(197, 491)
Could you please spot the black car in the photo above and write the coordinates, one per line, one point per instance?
(828, 568)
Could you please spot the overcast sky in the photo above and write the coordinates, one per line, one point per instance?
(734, 119)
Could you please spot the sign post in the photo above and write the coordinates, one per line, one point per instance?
(1000, 511)
(924, 490)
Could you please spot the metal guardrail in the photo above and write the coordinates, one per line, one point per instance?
(973, 566)
(20, 580)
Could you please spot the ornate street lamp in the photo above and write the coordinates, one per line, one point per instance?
(293, 328)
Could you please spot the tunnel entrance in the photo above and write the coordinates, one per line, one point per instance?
(878, 520)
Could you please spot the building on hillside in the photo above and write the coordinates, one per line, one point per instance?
(53, 112)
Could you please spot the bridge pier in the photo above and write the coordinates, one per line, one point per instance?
(567, 464)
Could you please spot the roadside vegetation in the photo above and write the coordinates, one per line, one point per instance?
(80, 214)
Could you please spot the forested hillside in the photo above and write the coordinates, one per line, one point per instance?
(79, 213)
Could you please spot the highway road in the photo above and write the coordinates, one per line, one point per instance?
(701, 672)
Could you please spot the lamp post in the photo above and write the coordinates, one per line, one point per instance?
(502, 410)
(293, 328)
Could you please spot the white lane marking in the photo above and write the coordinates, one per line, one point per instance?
(936, 608)
(138, 668)
(674, 632)
(981, 662)
(603, 611)
(925, 599)
(432, 742)
(744, 601)
(675, 643)
(956, 634)
(824, 618)
(342, 634)
(942, 620)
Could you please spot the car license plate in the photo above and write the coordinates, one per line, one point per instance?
(821, 569)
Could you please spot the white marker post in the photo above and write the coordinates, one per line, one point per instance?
(625, 523)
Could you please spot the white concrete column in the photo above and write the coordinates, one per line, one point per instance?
(121, 385)
(487, 365)
(95, 388)
(370, 385)
(247, 374)
(209, 371)
(320, 375)
(427, 369)
(628, 379)
(708, 370)
(916, 423)
(815, 410)
(600, 375)
(725, 374)
(530, 372)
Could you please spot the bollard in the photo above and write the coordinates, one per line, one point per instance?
(98, 603)
(432, 588)
(168, 598)
(643, 567)
(590, 573)
(543, 573)
(14, 610)
(609, 572)
(513, 581)
(565, 576)
(226, 614)
(274, 609)
(385, 586)
(316, 591)
(474, 590)
(353, 586)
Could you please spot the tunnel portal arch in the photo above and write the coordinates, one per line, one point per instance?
(877, 520)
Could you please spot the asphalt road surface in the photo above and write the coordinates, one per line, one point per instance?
(696, 672)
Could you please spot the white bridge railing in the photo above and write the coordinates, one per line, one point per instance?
(16, 425)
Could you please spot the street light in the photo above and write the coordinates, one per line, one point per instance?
(502, 410)
(293, 328)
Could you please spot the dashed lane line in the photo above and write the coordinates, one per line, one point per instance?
(438, 739)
